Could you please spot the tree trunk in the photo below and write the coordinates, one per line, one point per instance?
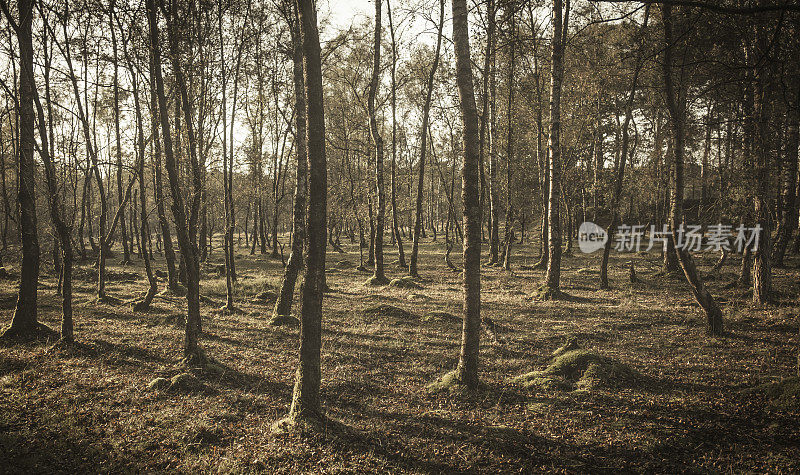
(509, 225)
(378, 276)
(401, 255)
(306, 400)
(413, 269)
(788, 224)
(283, 305)
(24, 322)
(193, 354)
(467, 373)
(126, 256)
(762, 268)
(553, 276)
(620, 171)
(677, 112)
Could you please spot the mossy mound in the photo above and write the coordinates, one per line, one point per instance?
(376, 281)
(183, 382)
(158, 384)
(570, 345)
(344, 264)
(284, 320)
(544, 292)
(416, 297)
(176, 320)
(384, 311)
(186, 382)
(265, 297)
(783, 394)
(579, 369)
(441, 317)
(448, 382)
(6, 275)
(89, 274)
(406, 282)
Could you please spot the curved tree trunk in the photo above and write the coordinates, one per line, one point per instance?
(183, 224)
(283, 305)
(677, 114)
(413, 269)
(620, 172)
(401, 255)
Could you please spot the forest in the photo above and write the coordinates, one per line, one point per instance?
(399, 236)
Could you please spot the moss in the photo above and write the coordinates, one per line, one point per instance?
(784, 394)
(572, 344)
(441, 317)
(344, 264)
(376, 281)
(385, 310)
(406, 282)
(158, 384)
(447, 382)
(281, 320)
(543, 292)
(185, 382)
(579, 369)
(265, 296)
(413, 297)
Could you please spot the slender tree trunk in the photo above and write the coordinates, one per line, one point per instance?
(126, 256)
(144, 233)
(620, 171)
(509, 225)
(762, 268)
(467, 372)
(62, 229)
(788, 224)
(306, 400)
(283, 305)
(378, 276)
(24, 322)
(553, 275)
(677, 112)
(401, 255)
(418, 224)
(183, 225)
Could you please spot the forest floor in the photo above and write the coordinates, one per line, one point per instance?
(89, 409)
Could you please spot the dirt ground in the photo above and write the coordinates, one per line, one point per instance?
(89, 409)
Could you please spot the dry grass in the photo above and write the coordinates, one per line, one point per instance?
(88, 408)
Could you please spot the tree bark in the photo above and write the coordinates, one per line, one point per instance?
(413, 269)
(553, 275)
(787, 225)
(620, 171)
(24, 323)
(192, 352)
(283, 305)
(401, 255)
(378, 276)
(467, 372)
(677, 112)
(306, 398)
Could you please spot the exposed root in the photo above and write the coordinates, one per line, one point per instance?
(40, 332)
(283, 320)
(300, 425)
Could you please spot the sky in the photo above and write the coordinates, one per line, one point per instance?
(342, 13)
